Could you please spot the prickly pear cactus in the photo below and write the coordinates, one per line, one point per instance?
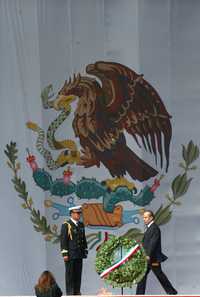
(89, 188)
(43, 179)
(59, 188)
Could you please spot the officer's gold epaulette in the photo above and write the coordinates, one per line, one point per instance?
(69, 227)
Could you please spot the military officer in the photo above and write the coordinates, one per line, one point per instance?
(73, 250)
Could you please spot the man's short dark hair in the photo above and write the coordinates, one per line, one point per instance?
(151, 213)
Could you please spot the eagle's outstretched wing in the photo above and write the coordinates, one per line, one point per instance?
(101, 139)
(133, 104)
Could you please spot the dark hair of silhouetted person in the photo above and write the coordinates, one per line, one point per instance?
(45, 281)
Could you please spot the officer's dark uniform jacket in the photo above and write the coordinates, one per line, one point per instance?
(73, 240)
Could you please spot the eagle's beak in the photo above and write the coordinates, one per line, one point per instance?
(62, 102)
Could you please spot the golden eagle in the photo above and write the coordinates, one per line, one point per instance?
(124, 101)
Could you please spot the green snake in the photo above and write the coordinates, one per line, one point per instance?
(64, 157)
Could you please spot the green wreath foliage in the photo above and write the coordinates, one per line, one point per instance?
(129, 273)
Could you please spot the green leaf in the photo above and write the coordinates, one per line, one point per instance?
(163, 215)
(11, 152)
(186, 186)
(158, 212)
(165, 218)
(194, 167)
(182, 165)
(30, 201)
(45, 96)
(178, 203)
(180, 185)
(175, 184)
(192, 153)
(134, 233)
(24, 205)
(184, 153)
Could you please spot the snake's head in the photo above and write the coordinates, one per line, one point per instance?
(68, 157)
(63, 158)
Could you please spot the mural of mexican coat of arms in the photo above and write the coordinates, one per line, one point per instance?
(113, 101)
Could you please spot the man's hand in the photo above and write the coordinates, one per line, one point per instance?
(66, 258)
(148, 258)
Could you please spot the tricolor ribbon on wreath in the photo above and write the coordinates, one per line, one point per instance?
(126, 257)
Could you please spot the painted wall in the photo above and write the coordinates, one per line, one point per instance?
(45, 42)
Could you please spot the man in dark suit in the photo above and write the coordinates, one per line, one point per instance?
(152, 247)
(73, 249)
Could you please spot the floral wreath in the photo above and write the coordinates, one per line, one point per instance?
(128, 270)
